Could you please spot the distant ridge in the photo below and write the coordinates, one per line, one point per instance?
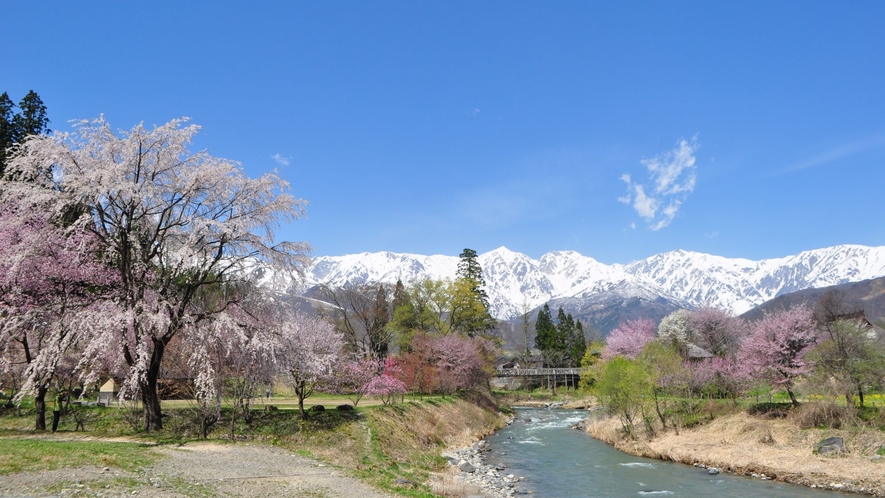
(866, 295)
(588, 288)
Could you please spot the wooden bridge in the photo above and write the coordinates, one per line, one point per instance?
(536, 372)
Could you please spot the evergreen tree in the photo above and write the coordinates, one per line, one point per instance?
(15, 127)
(578, 344)
(7, 129)
(470, 303)
(546, 335)
(31, 119)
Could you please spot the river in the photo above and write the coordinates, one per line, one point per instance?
(560, 462)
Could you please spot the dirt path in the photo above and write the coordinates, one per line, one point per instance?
(199, 469)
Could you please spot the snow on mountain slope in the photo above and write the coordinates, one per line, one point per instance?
(515, 282)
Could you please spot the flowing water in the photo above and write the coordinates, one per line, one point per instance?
(560, 462)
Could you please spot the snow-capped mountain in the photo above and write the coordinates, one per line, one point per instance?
(515, 282)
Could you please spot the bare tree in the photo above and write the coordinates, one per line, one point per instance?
(361, 313)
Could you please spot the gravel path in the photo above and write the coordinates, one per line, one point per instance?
(199, 469)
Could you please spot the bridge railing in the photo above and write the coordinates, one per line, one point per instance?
(536, 372)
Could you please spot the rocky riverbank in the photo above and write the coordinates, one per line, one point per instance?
(765, 449)
(491, 481)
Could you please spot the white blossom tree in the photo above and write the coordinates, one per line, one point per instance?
(169, 222)
(310, 350)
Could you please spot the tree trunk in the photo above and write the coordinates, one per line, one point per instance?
(792, 397)
(658, 409)
(860, 394)
(150, 398)
(299, 391)
(40, 406)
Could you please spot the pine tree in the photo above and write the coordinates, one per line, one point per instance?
(545, 335)
(7, 129)
(578, 344)
(470, 303)
(15, 127)
(31, 119)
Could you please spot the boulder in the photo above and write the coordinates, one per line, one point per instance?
(464, 466)
(317, 408)
(830, 445)
(344, 408)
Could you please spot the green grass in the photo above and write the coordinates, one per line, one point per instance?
(19, 455)
(345, 439)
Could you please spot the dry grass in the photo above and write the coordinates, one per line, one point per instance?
(778, 448)
(407, 432)
(445, 484)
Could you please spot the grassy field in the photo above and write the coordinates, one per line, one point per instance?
(18, 455)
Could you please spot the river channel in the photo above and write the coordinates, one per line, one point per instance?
(560, 462)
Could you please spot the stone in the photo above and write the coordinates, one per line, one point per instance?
(344, 408)
(317, 408)
(830, 445)
(464, 466)
(712, 471)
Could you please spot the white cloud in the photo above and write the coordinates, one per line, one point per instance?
(280, 159)
(672, 176)
(643, 204)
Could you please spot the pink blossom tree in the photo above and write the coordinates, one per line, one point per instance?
(50, 279)
(387, 386)
(629, 338)
(729, 376)
(354, 377)
(169, 222)
(777, 345)
(309, 352)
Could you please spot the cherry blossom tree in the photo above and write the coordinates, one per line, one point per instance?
(387, 386)
(310, 350)
(730, 376)
(49, 281)
(629, 338)
(675, 328)
(353, 378)
(716, 331)
(235, 349)
(170, 221)
(777, 345)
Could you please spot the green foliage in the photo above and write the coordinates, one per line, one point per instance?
(623, 387)
(590, 363)
(847, 358)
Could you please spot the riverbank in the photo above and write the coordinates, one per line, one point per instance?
(763, 448)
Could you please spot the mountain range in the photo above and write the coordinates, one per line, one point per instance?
(604, 295)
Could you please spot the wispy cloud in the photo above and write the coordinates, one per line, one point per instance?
(839, 152)
(280, 159)
(671, 177)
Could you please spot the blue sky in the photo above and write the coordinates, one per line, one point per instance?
(616, 129)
